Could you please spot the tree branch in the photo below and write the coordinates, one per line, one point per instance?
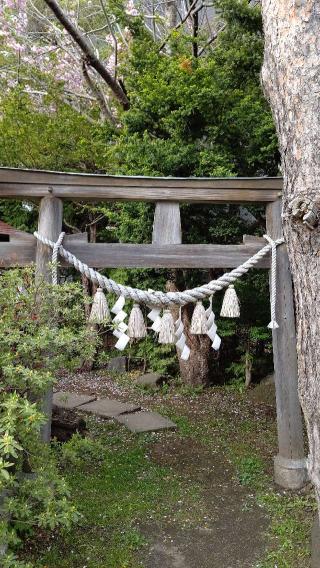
(184, 19)
(97, 92)
(212, 39)
(90, 56)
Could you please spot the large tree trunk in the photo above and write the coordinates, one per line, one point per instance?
(291, 79)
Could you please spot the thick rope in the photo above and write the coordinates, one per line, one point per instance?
(273, 283)
(54, 260)
(161, 298)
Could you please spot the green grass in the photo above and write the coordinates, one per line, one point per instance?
(244, 442)
(114, 484)
(118, 489)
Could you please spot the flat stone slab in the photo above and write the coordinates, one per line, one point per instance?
(150, 380)
(146, 422)
(109, 408)
(70, 400)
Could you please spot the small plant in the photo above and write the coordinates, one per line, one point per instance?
(249, 469)
(42, 330)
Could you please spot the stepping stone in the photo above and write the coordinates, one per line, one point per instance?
(109, 408)
(146, 422)
(150, 380)
(70, 400)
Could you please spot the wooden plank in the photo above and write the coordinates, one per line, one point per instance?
(289, 419)
(50, 226)
(218, 193)
(115, 255)
(167, 224)
(22, 254)
(36, 177)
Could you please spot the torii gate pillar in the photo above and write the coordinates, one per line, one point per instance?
(289, 465)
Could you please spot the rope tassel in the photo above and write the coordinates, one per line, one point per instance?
(199, 320)
(167, 331)
(230, 305)
(100, 310)
(136, 326)
(181, 338)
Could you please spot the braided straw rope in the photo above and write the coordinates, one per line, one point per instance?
(161, 298)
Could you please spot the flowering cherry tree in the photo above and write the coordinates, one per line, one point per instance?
(77, 47)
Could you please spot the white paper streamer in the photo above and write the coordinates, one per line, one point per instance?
(155, 317)
(121, 326)
(181, 338)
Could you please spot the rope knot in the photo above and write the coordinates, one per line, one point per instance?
(54, 259)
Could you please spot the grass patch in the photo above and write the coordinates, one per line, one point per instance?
(249, 445)
(119, 489)
(115, 487)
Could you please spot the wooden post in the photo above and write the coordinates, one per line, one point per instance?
(289, 465)
(167, 224)
(49, 225)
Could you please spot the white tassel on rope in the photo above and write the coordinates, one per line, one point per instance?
(136, 326)
(99, 311)
(273, 282)
(199, 320)
(212, 327)
(167, 331)
(230, 305)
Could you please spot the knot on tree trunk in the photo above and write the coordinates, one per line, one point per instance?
(302, 208)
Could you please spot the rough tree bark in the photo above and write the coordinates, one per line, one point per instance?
(291, 79)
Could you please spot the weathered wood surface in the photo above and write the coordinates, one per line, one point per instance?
(165, 256)
(23, 251)
(49, 225)
(116, 255)
(17, 175)
(289, 417)
(117, 193)
(167, 224)
(36, 184)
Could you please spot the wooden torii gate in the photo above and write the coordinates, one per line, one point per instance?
(166, 251)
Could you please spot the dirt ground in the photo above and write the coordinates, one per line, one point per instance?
(232, 530)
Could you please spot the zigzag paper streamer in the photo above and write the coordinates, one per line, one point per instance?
(121, 326)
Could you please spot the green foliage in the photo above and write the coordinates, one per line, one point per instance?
(54, 137)
(115, 485)
(189, 116)
(42, 330)
(250, 469)
(159, 358)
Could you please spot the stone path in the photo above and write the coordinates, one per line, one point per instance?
(146, 422)
(108, 408)
(70, 400)
(128, 414)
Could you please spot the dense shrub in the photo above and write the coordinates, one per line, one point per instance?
(42, 329)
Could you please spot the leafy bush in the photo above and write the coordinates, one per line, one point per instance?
(42, 330)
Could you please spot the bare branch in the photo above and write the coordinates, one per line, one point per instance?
(95, 89)
(184, 19)
(90, 56)
(212, 39)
